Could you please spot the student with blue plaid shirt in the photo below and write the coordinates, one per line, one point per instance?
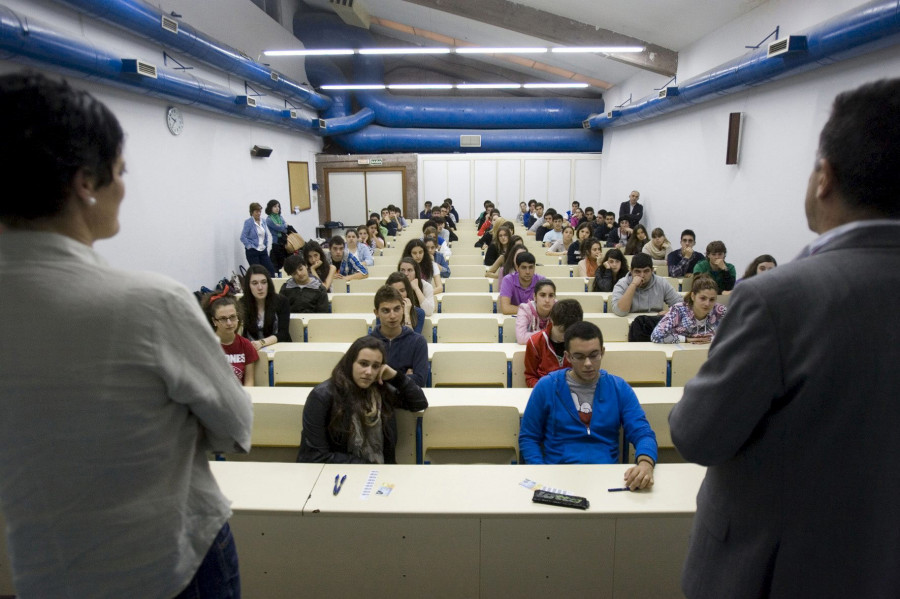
(350, 266)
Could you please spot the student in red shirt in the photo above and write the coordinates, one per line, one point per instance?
(222, 311)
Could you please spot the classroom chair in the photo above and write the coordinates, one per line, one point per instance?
(569, 284)
(470, 434)
(467, 285)
(304, 368)
(477, 303)
(370, 285)
(590, 302)
(552, 271)
(473, 329)
(467, 262)
(518, 369)
(296, 328)
(468, 369)
(339, 286)
(464, 249)
(686, 363)
(380, 270)
(640, 368)
(332, 330)
(353, 302)
(661, 270)
(614, 328)
(277, 426)
(674, 282)
(723, 299)
(509, 329)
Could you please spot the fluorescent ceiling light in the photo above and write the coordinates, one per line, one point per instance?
(602, 49)
(472, 50)
(427, 50)
(352, 86)
(334, 52)
(553, 85)
(420, 86)
(489, 86)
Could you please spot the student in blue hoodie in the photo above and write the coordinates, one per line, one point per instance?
(407, 351)
(573, 415)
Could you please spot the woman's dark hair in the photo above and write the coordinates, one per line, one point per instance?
(399, 277)
(615, 254)
(271, 205)
(509, 264)
(251, 309)
(544, 283)
(586, 246)
(581, 227)
(751, 270)
(701, 282)
(57, 131)
(374, 221)
(322, 271)
(348, 399)
(415, 265)
(496, 240)
(426, 265)
(634, 245)
(213, 301)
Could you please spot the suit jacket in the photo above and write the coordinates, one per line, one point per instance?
(634, 214)
(796, 413)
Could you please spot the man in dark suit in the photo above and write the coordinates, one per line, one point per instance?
(796, 412)
(631, 209)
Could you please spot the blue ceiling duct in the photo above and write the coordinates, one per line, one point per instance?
(142, 19)
(376, 139)
(318, 30)
(32, 42)
(866, 28)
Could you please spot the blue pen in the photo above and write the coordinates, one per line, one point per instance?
(618, 489)
(338, 485)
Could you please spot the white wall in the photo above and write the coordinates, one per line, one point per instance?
(187, 196)
(677, 161)
(507, 179)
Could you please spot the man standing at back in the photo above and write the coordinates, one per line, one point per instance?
(631, 209)
(796, 410)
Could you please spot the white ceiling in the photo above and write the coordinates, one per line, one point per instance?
(671, 24)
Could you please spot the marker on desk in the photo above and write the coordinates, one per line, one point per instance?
(618, 489)
(338, 485)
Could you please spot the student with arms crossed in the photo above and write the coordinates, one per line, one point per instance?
(694, 320)
(722, 272)
(349, 419)
(545, 351)
(518, 286)
(407, 351)
(574, 414)
(641, 290)
(305, 294)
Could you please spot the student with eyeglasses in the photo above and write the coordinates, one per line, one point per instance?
(574, 414)
(225, 318)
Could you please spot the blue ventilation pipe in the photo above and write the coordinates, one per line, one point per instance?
(319, 30)
(35, 43)
(864, 29)
(139, 18)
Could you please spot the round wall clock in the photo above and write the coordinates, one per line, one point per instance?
(174, 120)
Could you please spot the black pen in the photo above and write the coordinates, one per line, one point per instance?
(618, 489)
(338, 485)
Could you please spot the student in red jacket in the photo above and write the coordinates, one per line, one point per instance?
(545, 350)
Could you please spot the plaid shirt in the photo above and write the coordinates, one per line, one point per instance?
(351, 265)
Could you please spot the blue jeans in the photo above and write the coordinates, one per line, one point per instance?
(255, 256)
(218, 576)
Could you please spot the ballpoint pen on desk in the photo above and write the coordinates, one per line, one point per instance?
(338, 483)
(618, 489)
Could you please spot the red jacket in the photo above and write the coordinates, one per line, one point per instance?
(540, 358)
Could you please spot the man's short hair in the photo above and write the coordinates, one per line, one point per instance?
(624, 219)
(715, 247)
(565, 313)
(549, 212)
(429, 223)
(448, 201)
(576, 203)
(688, 232)
(532, 202)
(601, 213)
(427, 204)
(293, 262)
(557, 217)
(539, 205)
(336, 240)
(438, 220)
(525, 258)
(385, 294)
(641, 260)
(581, 330)
(588, 209)
(861, 142)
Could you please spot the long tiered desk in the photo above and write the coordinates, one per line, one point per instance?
(456, 531)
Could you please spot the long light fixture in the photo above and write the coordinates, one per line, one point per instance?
(554, 85)
(598, 49)
(457, 50)
(351, 86)
(402, 86)
(420, 86)
(489, 86)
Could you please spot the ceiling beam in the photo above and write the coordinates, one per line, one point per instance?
(554, 28)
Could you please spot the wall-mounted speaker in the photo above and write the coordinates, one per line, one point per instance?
(734, 138)
(260, 151)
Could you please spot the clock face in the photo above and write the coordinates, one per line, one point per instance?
(174, 120)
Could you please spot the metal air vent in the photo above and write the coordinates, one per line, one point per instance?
(169, 24)
(668, 92)
(135, 66)
(274, 76)
(470, 141)
(322, 123)
(788, 45)
(246, 101)
(290, 114)
(613, 114)
(351, 12)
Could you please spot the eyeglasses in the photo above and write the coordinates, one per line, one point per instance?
(227, 319)
(593, 357)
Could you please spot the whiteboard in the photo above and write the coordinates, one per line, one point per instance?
(347, 197)
(383, 188)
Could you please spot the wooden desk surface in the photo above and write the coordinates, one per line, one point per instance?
(474, 490)
(266, 487)
(508, 348)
